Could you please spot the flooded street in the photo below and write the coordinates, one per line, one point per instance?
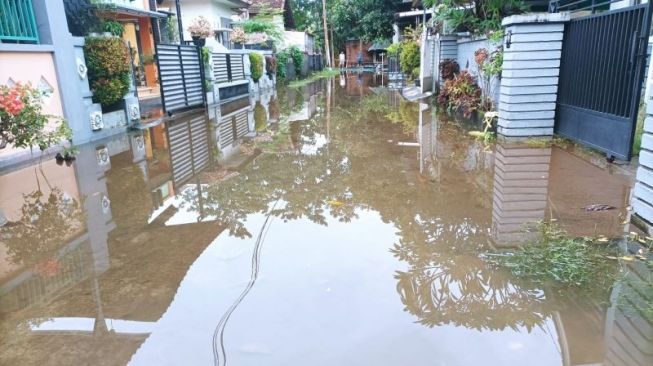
(333, 224)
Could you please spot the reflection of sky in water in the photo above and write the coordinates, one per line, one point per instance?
(305, 308)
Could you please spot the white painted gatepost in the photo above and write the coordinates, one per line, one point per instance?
(531, 67)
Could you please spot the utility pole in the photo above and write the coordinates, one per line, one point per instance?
(326, 34)
(181, 28)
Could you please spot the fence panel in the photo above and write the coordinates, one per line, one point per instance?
(228, 67)
(180, 76)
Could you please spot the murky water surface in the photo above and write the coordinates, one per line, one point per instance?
(330, 225)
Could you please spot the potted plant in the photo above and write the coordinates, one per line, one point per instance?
(199, 30)
(238, 37)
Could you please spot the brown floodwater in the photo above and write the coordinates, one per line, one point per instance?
(334, 224)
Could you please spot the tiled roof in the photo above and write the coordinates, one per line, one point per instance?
(272, 4)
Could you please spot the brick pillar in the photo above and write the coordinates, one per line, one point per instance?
(531, 66)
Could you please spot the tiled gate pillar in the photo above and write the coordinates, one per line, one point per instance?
(642, 201)
(529, 81)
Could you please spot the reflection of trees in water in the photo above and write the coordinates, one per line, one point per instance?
(441, 227)
(46, 222)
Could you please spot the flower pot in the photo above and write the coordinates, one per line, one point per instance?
(199, 41)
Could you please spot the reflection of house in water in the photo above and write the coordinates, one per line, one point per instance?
(521, 179)
(618, 334)
(233, 124)
(104, 287)
(533, 184)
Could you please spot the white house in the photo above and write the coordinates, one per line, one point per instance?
(220, 13)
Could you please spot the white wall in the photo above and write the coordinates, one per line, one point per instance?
(300, 39)
(212, 10)
(466, 49)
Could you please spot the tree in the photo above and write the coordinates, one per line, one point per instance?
(368, 20)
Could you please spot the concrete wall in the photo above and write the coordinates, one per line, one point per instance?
(302, 40)
(465, 57)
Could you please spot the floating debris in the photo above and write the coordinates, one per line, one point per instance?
(598, 207)
(335, 203)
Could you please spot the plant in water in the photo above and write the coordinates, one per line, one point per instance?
(448, 69)
(22, 121)
(488, 67)
(559, 259)
(109, 66)
(461, 94)
(256, 65)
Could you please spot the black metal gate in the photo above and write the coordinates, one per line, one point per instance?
(181, 76)
(601, 75)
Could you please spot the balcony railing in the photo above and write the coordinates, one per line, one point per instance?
(17, 22)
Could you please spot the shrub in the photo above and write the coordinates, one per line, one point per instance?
(113, 27)
(448, 69)
(409, 57)
(461, 94)
(489, 66)
(262, 25)
(22, 121)
(270, 65)
(109, 66)
(297, 58)
(256, 65)
(282, 62)
(394, 49)
(110, 91)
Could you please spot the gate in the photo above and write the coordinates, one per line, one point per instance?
(181, 76)
(601, 75)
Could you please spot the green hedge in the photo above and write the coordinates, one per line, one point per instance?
(256, 65)
(109, 67)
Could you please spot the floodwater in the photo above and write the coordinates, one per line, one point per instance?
(334, 224)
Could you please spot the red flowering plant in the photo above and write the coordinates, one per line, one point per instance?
(461, 94)
(22, 121)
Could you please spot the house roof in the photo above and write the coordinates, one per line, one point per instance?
(271, 4)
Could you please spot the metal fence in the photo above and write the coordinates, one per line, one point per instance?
(228, 67)
(17, 22)
(601, 73)
(181, 76)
